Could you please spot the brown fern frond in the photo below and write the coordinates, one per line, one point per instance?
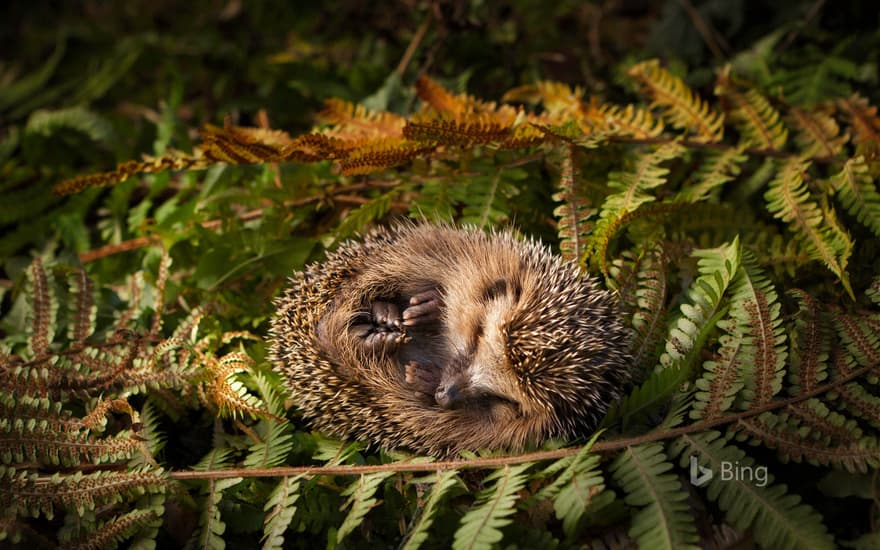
(863, 118)
(173, 160)
(774, 432)
(717, 389)
(818, 134)
(383, 153)
(759, 124)
(353, 121)
(680, 105)
(115, 530)
(809, 349)
(442, 100)
(574, 213)
(831, 426)
(465, 133)
(560, 101)
(83, 309)
(860, 340)
(43, 309)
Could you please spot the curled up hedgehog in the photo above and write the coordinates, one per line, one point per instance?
(439, 339)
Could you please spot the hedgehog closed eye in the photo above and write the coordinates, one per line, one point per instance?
(469, 340)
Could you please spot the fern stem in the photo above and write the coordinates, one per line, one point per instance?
(607, 446)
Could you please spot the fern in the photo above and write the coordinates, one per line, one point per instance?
(443, 482)
(855, 187)
(361, 495)
(681, 106)
(758, 122)
(631, 188)
(663, 520)
(777, 519)
(481, 526)
(789, 200)
(211, 524)
(280, 508)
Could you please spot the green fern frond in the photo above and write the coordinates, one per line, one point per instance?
(485, 197)
(789, 200)
(280, 508)
(759, 124)
(45, 123)
(718, 168)
(857, 191)
(664, 519)
(480, 528)
(117, 529)
(777, 519)
(443, 481)
(276, 435)
(577, 488)
(631, 191)
(211, 524)
(681, 106)
(703, 305)
(817, 75)
(362, 498)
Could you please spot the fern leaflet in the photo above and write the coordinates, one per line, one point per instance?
(777, 519)
(789, 200)
(481, 527)
(418, 534)
(857, 192)
(663, 520)
(362, 498)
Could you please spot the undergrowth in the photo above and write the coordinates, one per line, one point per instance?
(738, 223)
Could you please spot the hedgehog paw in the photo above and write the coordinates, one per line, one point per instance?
(381, 329)
(423, 378)
(424, 308)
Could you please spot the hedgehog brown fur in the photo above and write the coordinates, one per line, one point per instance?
(440, 339)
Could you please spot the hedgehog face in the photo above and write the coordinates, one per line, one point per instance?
(480, 376)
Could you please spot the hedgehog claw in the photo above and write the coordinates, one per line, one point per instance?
(386, 314)
(424, 308)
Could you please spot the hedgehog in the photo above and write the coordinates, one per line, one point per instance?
(440, 339)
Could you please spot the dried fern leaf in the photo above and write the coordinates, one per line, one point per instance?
(683, 108)
(864, 119)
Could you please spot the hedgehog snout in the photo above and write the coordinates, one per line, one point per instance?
(447, 395)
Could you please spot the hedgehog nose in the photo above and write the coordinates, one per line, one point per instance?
(447, 395)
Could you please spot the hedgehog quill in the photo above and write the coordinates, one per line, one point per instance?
(439, 339)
